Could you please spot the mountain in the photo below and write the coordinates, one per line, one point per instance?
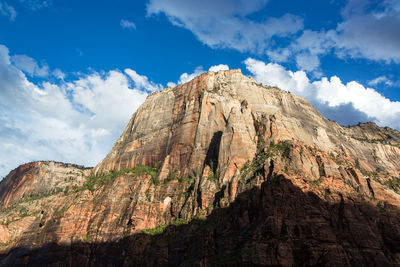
(223, 171)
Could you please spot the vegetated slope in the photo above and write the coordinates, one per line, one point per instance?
(304, 189)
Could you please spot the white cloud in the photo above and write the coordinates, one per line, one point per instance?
(279, 54)
(142, 82)
(75, 121)
(381, 80)
(7, 10)
(186, 77)
(219, 67)
(36, 4)
(59, 74)
(30, 66)
(330, 95)
(126, 24)
(307, 61)
(369, 31)
(224, 23)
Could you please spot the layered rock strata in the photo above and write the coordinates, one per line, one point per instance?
(304, 189)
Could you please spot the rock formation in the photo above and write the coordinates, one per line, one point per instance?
(221, 170)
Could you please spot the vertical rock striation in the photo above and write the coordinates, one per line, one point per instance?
(220, 170)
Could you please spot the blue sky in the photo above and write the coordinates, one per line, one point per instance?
(73, 72)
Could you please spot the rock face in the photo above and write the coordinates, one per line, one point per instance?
(218, 171)
(38, 179)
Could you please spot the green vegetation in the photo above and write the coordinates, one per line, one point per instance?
(256, 166)
(283, 148)
(214, 175)
(172, 175)
(315, 182)
(369, 174)
(375, 141)
(86, 238)
(189, 179)
(5, 244)
(327, 192)
(358, 164)
(393, 184)
(160, 229)
(365, 172)
(363, 196)
(32, 197)
(101, 179)
(23, 213)
(381, 206)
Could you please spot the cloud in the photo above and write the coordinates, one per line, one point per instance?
(219, 67)
(348, 103)
(126, 24)
(59, 74)
(30, 66)
(36, 4)
(307, 61)
(186, 77)
(8, 11)
(225, 23)
(370, 31)
(381, 80)
(75, 121)
(142, 82)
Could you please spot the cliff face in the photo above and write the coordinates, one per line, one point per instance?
(242, 173)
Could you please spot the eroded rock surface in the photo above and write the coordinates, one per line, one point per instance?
(304, 189)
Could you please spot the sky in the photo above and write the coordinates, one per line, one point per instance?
(73, 72)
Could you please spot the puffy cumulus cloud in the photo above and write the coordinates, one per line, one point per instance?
(30, 66)
(223, 23)
(186, 77)
(346, 103)
(126, 24)
(219, 67)
(75, 121)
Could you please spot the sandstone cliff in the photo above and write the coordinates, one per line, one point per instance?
(220, 170)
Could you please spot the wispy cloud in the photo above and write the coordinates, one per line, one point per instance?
(381, 80)
(30, 66)
(7, 10)
(126, 24)
(224, 24)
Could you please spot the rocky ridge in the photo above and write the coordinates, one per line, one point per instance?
(200, 162)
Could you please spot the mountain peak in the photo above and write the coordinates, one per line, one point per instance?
(251, 170)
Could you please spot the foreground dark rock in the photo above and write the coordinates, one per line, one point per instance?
(276, 224)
